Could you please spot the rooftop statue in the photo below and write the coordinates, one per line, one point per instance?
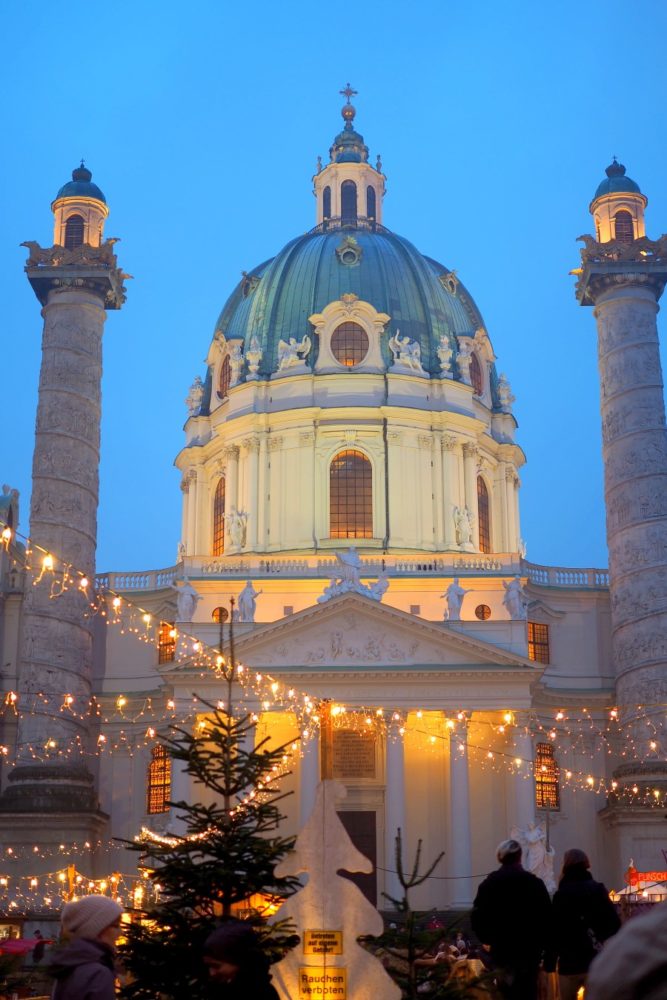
(345, 579)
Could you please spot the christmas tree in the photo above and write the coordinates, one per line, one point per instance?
(226, 854)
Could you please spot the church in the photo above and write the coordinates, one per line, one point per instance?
(350, 512)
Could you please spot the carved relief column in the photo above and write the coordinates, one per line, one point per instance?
(56, 644)
(470, 454)
(450, 480)
(394, 807)
(624, 282)
(461, 853)
(231, 490)
(438, 494)
(252, 457)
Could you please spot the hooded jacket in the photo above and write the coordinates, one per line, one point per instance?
(84, 970)
(580, 905)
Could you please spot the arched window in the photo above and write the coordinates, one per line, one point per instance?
(349, 344)
(624, 229)
(351, 496)
(166, 642)
(547, 778)
(483, 516)
(370, 202)
(158, 791)
(73, 232)
(476, 375)
(219, 519)
(225, 378)
(326, 203)
(348, 201)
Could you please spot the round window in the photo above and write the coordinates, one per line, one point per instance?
(483, 612)
(349, 344)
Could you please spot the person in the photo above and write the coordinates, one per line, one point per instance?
(634, 963)
(582, 916)
(511, 914)
(84, 969)
(39, 949)
(236, 964)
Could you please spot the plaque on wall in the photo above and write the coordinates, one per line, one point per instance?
(353, 755)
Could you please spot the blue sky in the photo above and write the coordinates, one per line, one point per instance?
(202, 123)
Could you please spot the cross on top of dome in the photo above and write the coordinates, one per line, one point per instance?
(348, 110)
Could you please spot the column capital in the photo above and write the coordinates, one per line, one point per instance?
(85, 268)
(250, 444)
(449, 442)
(609, 265)
(470, 449)
(231, 452)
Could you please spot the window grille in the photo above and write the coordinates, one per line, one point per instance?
(349, 344)
(219, 519)
(351, 496)
(74, 232)
(625, 232)
(166, 642)
(225, 378)
(476, 375)
(547, 778)
(158, 791)
(483, 516)
(538, 642)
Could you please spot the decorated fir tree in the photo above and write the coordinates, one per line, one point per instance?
(225, 855)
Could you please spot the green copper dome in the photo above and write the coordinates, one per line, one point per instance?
(616, 181)
(81, 186)
(274, 300)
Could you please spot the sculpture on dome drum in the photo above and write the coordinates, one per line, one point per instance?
(293, 352)
(406, 353)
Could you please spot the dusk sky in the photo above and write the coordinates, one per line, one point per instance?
(202, 124)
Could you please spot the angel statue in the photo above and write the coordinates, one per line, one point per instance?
(538, 857)
(405, 351)
(289, 351)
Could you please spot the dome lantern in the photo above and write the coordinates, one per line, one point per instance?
(80, 210)
(618, 207)
(349, 190)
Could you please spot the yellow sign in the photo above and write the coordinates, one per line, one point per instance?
(323, 942)
(318, 983)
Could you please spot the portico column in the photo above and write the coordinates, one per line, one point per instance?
(252, 450)
(470, 454)
(231, 489)
(394, 809)
(450, 500)
(180, 792)
(309, 775)
(461, 849)
(524, 782)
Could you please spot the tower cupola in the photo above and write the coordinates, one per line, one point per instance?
(348, 189)
(618, 207)
(79, 210)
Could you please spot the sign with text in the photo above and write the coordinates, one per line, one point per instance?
(634, 877)
(323, 942)
(353, 755)
(317, 983)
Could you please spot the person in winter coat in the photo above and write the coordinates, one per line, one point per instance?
(511, 915)
(633, 966)
(84, 968)
(238, 968)
(583, 917)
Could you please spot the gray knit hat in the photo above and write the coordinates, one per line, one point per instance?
(89, 916)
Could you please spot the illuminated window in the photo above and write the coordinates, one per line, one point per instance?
(73, 232)
(225, 378)
(624, 228)
(538, 642)
(483, 515)
(326, 203)
(547, 787)
(351, 496)
(349, 344)
(166, 642)
(476, 376)
(483, 612)
(348, 201)
(158, 792)
(219, 519)
(370, 202)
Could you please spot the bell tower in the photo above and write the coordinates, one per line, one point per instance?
(76, 281)
(622, 275)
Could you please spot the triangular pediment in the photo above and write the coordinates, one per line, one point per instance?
(352, 631)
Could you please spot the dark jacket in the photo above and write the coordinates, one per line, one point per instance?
(579, 905)
(252, 982)
(511, 913)
(634, 963)
(84, 970)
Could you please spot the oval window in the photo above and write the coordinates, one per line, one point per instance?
(349, 344)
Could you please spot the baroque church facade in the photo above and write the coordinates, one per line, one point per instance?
(351, 478)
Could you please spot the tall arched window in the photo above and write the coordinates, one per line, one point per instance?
(547, 778)
(351, 496)
(624, 229)
(158, 790)
(483, 516)
(348, 201)
(225, 378)
(476, 375)
(370, 202)
(326, 203)
(219, 519)
(73, 232)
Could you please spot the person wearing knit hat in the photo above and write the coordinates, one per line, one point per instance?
(236, 964)
(84, 968)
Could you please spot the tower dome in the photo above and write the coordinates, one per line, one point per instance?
(618, 207)
(616, 181)
(79, 211)
(81, 186)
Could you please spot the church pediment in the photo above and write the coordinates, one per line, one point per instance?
(355, 631)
